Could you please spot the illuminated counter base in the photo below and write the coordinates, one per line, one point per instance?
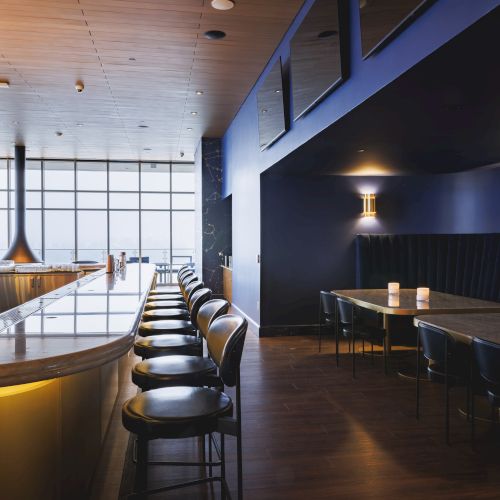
(52, 431)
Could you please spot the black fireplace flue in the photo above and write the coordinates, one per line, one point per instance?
(19, 250)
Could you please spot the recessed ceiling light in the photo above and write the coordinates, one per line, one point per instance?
(189, 129)
(147, 149)
(214, 34)
(4, 84)
(199, 92)
(194, 113)
(222, 4)
(328, 34)
(79, 124)
(59, 133)
(143, 126)
(361, 150)
(264, 111)
(131, 58)
(278, 91)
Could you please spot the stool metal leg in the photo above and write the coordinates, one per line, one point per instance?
(141, 472)
(223, 467)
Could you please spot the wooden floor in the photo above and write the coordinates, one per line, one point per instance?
(312, 432)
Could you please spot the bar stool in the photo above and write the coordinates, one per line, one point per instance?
(165, 304)
(185, 326)
(163, 314)
(179, 343)
(177, 295)
(185, 411)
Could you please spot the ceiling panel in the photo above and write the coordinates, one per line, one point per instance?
(141, 63)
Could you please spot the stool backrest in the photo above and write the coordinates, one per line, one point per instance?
(436, 343)
(208, 312)
(487, 356)
(184, 273)
(190, 289)
(225, 340)
(197, 300)
(327, 303)
(188, 280)
(182, 276)
(345, 311)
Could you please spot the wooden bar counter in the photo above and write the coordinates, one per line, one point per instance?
(63, 358)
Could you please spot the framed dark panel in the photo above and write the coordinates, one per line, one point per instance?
(383, 20)
(316, 54)
(271, 108)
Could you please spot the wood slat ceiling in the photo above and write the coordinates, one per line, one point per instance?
(141, 63)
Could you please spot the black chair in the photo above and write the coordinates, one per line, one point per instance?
(327, 315)
(487, 362)
(166, 343)
(354, 324)
(184, 411)
(448, 364)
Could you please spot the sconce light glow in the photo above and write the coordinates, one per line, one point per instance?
(369, 209)
(369, 170)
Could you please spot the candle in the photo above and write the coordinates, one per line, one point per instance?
(423, 294)
(393, 288)
(393, 301)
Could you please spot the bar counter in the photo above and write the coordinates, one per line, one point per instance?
(63, 358)
(79, 326)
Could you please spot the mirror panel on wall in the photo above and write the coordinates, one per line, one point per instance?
(382, 20)
(316, 55)
(270, 103)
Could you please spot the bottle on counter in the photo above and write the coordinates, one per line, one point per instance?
(123, 260)
(110, 265)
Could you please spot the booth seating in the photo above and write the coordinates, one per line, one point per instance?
(194, 406)
(169, 339)
(461, 264)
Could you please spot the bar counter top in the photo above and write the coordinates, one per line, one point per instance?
(80, 326)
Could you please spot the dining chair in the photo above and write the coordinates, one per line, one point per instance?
(448, 364)
(487, 361)
(353, 326)
(327, 315)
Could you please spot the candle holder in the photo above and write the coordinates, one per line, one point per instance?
(422, 294)
(393, 288)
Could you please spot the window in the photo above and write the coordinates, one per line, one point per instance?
(88, 209)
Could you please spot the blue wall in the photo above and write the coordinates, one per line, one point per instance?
(243, 162)
(309, 225)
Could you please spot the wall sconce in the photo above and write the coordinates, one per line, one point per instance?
(369, 209)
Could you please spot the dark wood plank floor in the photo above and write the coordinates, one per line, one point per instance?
(311, 431)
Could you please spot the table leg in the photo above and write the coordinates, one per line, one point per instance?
(387, 341)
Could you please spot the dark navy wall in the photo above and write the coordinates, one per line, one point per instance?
(243, 162)
(309, 224)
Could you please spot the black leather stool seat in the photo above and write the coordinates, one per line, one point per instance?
(164, 345)
(176, 412)
(170, 296)
(165, 304)
(172, 370)
(156, 314)
(169, 326)
(165, 290)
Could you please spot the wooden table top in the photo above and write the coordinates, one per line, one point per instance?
(465, 326)
(439, 303)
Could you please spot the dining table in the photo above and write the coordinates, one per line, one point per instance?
(405, 304)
